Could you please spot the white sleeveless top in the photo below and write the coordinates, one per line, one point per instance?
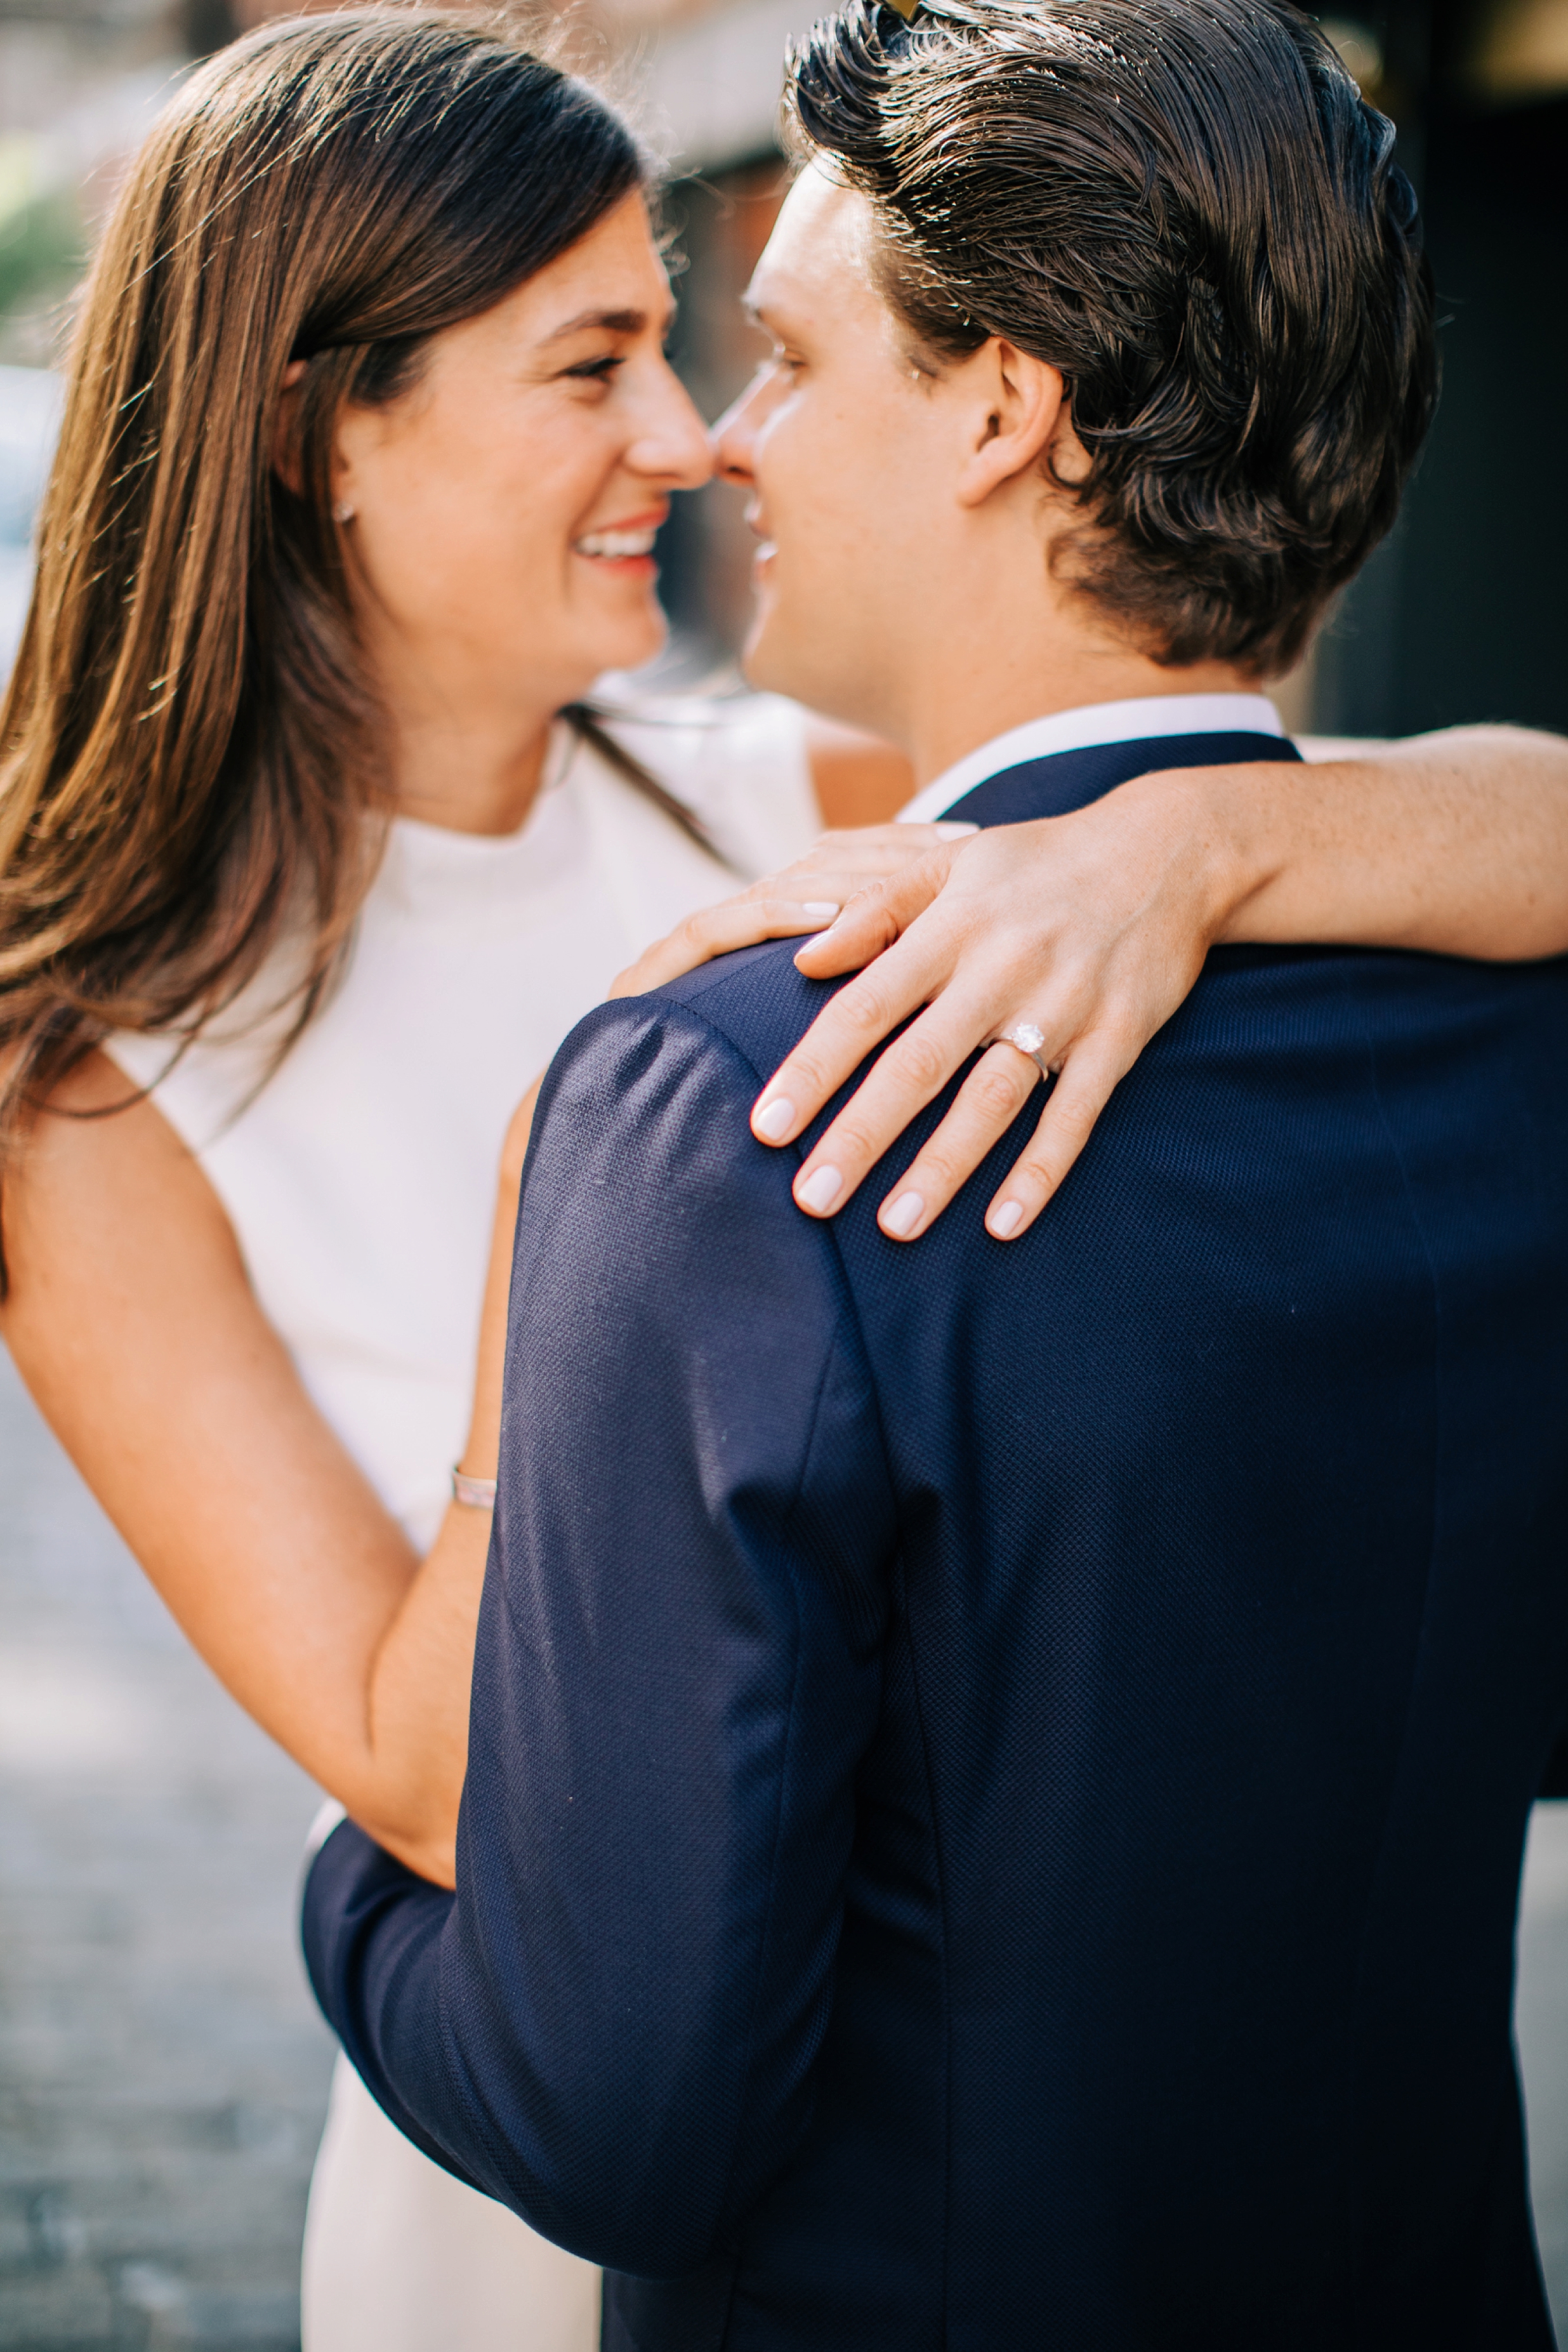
(361, 1180)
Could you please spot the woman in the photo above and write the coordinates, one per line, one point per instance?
(368, 432)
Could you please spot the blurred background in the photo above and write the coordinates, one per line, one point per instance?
(1460, 616)
(162, 2073)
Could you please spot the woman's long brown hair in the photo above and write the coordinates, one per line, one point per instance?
(189, 745)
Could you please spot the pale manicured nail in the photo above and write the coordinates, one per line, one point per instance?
(900, 1220)
(775, 1120)
(951, 828)
(821, 911)
(820, 1191)
(1007, 1219)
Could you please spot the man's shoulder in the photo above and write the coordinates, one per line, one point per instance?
(672, 1064)
(755, 999)
(761, 1005)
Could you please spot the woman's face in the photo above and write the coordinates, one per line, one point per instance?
(504, 509)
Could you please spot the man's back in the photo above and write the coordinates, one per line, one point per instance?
(1145, 1640)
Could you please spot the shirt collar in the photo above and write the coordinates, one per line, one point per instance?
(1095, 722)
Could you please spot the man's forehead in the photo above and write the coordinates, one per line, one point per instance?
(818, 246)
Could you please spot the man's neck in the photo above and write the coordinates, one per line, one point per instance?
(972, 704)
(1136, 718)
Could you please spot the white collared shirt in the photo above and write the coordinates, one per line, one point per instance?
(1095, 722)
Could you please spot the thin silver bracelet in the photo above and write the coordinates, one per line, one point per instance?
(474, 1494)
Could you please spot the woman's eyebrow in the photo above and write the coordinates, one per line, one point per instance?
(609, 323)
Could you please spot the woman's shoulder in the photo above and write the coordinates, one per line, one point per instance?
(204, 1072)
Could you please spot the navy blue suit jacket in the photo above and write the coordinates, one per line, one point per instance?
(999, 1774)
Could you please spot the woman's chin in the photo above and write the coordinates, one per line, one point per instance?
(638, 640)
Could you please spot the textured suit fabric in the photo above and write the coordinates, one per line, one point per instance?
(999, 1773)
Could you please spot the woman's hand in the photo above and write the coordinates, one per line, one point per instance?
(1091, 929)
(805, 896)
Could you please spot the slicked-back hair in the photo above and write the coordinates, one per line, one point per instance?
(1187, 208)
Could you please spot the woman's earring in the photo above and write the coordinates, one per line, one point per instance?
(342, 511)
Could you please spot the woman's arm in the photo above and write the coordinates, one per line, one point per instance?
(131, 1319)
(1455, 843)
(1093, 928)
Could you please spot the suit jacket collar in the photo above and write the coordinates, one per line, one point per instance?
(1070, 780)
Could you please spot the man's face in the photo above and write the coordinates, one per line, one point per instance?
(845, 447)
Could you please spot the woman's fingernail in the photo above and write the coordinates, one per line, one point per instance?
(951, 828)
(900, 1220)
(775, 1120)
(820, 1190)
(1007, 1219)
(821, 911)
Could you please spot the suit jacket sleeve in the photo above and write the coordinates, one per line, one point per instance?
(611, 2025)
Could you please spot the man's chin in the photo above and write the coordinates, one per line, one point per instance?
(766, 663)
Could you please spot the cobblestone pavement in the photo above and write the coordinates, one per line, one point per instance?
(162, 2070)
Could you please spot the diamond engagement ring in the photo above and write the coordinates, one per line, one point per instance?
(1027, 1039)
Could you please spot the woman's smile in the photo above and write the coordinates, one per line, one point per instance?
(626, 546)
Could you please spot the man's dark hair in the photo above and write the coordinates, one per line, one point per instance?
(1187, 208)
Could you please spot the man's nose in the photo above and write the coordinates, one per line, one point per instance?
(734, 437)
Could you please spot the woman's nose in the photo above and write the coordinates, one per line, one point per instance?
(674, 443)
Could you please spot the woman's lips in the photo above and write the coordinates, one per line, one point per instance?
(631, 544)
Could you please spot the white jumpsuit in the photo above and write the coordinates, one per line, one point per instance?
(361, 1183)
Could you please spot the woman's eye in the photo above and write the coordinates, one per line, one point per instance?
(598, 370)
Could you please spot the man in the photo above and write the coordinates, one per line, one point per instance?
(999, 1775)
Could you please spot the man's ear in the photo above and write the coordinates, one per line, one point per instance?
(286, 430)
(1022, 415)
